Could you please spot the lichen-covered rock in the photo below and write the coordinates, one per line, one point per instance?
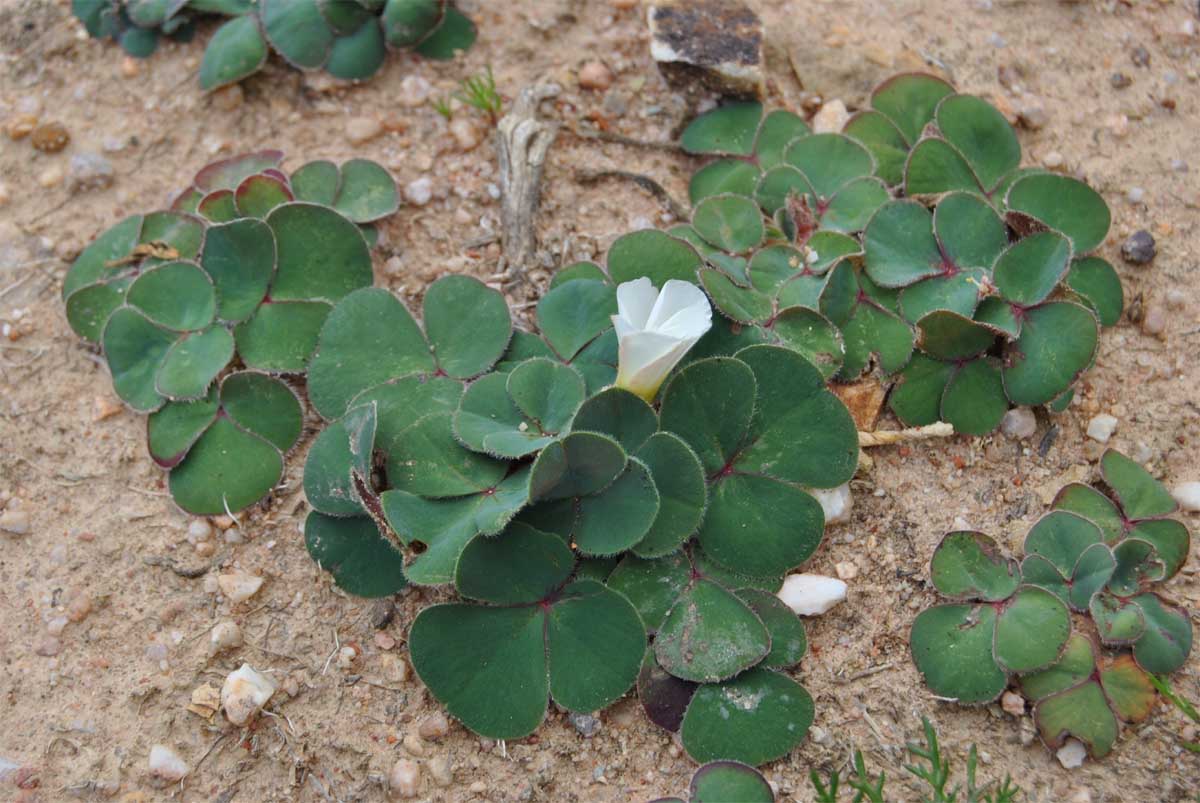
(708, 46)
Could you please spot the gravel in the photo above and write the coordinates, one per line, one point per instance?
(1139, 249)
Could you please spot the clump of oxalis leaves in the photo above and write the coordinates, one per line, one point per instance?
(204, 309)
(348, 38)
(1078, 625)
(603, 530)
(913, 241)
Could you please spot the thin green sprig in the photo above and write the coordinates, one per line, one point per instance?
(479, 92)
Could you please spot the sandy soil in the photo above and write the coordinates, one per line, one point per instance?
(104, 531)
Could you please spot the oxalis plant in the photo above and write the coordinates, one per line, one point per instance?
(1077, 625)
(613, 505)
(913, 242)
(348, 38)
(204, 310)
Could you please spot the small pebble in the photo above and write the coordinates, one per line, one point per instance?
(50, 137)
(405, 779)
(465, 133)
(434, 726)
(1139, 249)
(1019, 423)
(1187, 494)
(835, 502)
(20, 126)
(1120, 80)
(595, 75)
(419, 192)
(811, 594)
(199, 530)
(239, 586)
(1053, 160)
(48, 646)
(1140, 56)
(395, 668)
(89, 171)
(441, 771)
(244, 693)
(1081, 796)
(360, 130)
(831, 118)
(15, 522)
(1135, 195)
(1072, 754)
(167, 764)
(80, 607)
(846, 570)
(585, 725)
(1154, 319)
(51, 177)
(1102, 427)
(1013, 703)
(1179, 166)
(413, 745)
(1033, 117)
(130, 67)
(225, 636)
(414, 91)
(1176, 298)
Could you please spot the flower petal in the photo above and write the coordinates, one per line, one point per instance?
(635, 300)
(677, 296)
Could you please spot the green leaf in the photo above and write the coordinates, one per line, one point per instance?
(359, 55)
(317, 182)
(1137, 564)
(1093, 506)
(571, 315)
(580, 270)
(1061, 537)
(407, 22)
(619, 516)
(723, 176)
(92, 263)
(969, 566)
(1027, 273)
(854, 204)
(1097, 284)
(297, 31)
(468, 325)
(228, 173)
(621, 415)
(956, 291)
(488, 421)
(1092, 573)
(725, 781)
(740, 304)
(426, 459)
(969, 231)
(757, 717)
(709, 404)
(135, 347)
(652, 585)
(732, 223)
(578, 464)
(368, 338)
(1118, 622)
(455, 34)
(1170, 539)
(362, 561)
(193, 362)
(1076, 665)
(595, 641)
(950, 336)
(935, 167)
(909, 101)
(227, 469)
(1139, 494)
(885, 142)
(813, 336)
(974, 401)
(1063, 204)
(952, 648)
(547, 392)
(1128, 688)
(237, 49)
(281, 337)
(520, 566)
(89, 307)
(760, 525)
(779, 183)
(328, 484)
(788, 639)
(173, 428)
(775, 133)
(367, 192)
(682, 494)
(1031, 629)
(1167, 641)
(465, 653)
(176, 295)
(875, 331)
(322, 255)
(829, 161)
(1057, 343)
(259, 194)
(1081, 712)
(981, 135)
(917, 398)
(728, 129)
(710, 635)
(663, 696)
(900, 246)
(239, 257)
(219, 206)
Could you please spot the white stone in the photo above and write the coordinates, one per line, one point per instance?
(167, 764)
(405, 779)
(1013, 703)
(199, 530)
(362, 129)
(1072, 754)
(836, 502)
(239, 586)
(245, 692)
(414, 91)
(225, 636)
(1187, 494)
(15, 522)
(419, 192)
(1102, 427)
(811, 594)
(831, 118)
(1019, 423)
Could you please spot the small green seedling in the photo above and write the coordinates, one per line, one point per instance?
(479, 92)
(615, 501)
(912, 241)
(725, 782)
(347, 38)
(203, 311)
(1098, 554)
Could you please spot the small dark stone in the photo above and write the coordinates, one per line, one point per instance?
(1120, 80)
(587, 725)
(708, 46)
(382, 613)
(1139, 248)
(1140, 56)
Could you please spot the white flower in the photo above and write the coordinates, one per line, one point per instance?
(655, 329)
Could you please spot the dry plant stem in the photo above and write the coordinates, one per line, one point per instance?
(645, 182)
(522, 141)
(889, 437)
